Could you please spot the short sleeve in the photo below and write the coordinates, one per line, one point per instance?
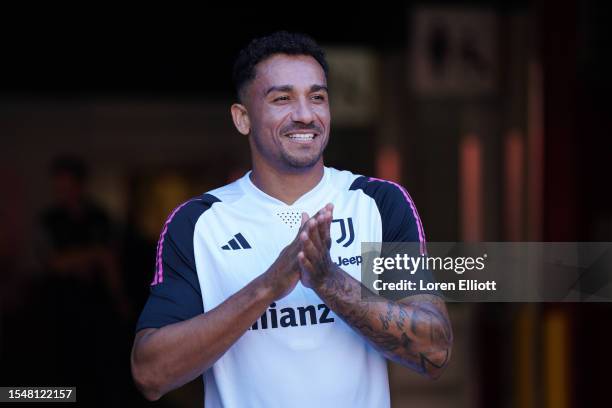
(175, 293)
(399, 216)
(401, 223)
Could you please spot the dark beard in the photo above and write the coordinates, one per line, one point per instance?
(289, 161)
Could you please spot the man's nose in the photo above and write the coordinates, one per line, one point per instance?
(303, 112)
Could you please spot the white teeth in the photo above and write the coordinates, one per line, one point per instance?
(302, 136)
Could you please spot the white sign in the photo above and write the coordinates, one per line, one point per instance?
(353, 85)
(454, 52)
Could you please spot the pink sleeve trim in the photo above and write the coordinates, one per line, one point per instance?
(159, 264)
(415, 213)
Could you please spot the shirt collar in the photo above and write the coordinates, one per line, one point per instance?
(308, 198)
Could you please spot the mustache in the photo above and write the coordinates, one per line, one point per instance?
(294, 127)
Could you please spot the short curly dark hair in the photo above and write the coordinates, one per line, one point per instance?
(280, 42)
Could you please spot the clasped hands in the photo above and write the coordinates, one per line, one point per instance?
(315, 242)
(306, 258)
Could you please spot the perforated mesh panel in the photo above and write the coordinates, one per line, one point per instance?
(291, 218)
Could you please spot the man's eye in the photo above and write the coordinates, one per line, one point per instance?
(318, 97)
(281, 98)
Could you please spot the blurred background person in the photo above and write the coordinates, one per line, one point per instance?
(79, 297)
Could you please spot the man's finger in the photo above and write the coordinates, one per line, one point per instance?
(305, 264)
(315, 253)
(321, 211)
(304, 219)
(324, 223)
(309, 240)
(330, 207)
(303, 222)
(314, 234)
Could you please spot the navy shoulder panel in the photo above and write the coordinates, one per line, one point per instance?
(175, 290)
(400, 223)
(400, 219)
(177, 232)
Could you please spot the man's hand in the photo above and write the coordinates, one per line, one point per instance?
(284, 273)
(415, 332)
(159, 366)
(315, 241)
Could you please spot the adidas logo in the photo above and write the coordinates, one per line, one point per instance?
(238, 242)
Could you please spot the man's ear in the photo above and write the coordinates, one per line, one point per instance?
(240, 115)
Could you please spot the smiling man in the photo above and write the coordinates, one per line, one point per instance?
(245, 290)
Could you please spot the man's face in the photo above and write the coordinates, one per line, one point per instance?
(288, 109)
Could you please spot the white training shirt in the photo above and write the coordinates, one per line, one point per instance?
(299, 353)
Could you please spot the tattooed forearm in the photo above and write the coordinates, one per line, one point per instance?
(415, 333)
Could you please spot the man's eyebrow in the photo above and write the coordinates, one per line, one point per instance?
(289, 88)
(279, 88)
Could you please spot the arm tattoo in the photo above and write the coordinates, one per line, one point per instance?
(415, 332)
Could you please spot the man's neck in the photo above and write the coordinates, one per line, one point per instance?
(286, 186)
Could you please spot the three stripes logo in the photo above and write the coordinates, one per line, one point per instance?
(347, 236)
(343, 228)
(238, 242)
